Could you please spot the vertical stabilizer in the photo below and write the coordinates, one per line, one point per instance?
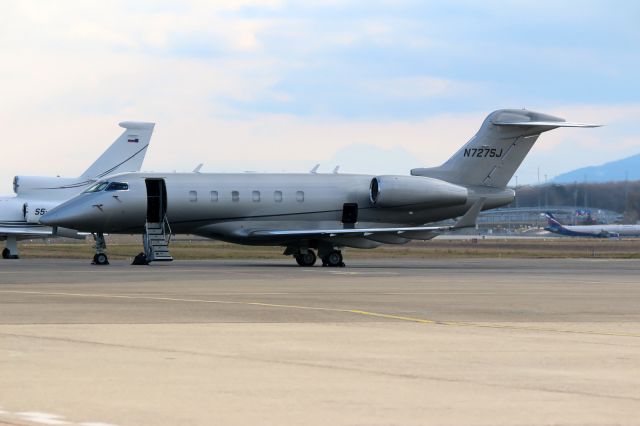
(126, 154)
(494, 154)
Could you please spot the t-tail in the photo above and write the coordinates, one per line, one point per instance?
(496, 151)
(126, 154)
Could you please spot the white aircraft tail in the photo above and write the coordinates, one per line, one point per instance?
(125, 154)
(493, 155)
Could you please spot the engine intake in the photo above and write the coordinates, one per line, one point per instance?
(397, 191)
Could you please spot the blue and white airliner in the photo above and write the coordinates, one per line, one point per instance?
(593, 231)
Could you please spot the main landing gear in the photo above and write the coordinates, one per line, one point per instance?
(333, 258)
(307, 258)
(11, 249)
(100, 258)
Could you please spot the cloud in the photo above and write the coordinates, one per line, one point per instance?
(273, 85)
(420, 87)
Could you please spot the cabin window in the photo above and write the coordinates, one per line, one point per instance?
(214, 196)
(300, 196)
(193, 196)
(255, 196)
(277, 196)
(235, 196)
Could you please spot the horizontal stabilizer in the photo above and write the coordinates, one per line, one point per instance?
(543, 124)
(136, 125)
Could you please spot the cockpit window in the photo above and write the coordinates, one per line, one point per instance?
(97, 187)
(118, 186)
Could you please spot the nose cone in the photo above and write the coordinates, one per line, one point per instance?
(76, 213)
(58, 217)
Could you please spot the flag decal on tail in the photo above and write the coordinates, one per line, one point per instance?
(133, 139)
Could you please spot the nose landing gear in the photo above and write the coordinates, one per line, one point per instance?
(100, 258)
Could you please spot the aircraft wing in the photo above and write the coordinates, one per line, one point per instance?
(346, 232)
(466, 221)
(26, 231)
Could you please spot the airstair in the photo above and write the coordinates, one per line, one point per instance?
(156, 239)
(157, 232)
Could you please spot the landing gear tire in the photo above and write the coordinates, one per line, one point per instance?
(140, 259)
(6, 254)
(100, 259)
(333, 259)
(306, 259)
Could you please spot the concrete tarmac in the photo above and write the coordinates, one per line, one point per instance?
(410, 342)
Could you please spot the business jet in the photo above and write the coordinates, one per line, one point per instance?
(312, 212)
(20, 214)
(593, 231)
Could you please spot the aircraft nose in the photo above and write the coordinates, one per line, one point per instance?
(59, 216)
(73, 214)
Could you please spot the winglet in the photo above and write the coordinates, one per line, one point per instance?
(198, 167)
(315, 169)
(468, 220)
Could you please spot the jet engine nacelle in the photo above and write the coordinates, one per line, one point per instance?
(59, 231)
(397, 191)
(33, 211)
(24, 185)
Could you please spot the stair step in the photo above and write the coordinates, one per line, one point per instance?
(160, 257)
(157, 242)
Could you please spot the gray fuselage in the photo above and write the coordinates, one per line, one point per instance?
(230, 206)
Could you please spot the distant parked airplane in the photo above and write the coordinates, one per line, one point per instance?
(35, 195)
(593, 231)
(311, 211)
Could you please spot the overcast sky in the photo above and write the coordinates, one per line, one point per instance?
(378, 86)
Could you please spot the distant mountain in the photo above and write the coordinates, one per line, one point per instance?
(615, 171)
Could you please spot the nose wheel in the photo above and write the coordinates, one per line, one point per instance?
(100, 258)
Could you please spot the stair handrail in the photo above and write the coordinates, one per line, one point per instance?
(165, 221)
(146, 239)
